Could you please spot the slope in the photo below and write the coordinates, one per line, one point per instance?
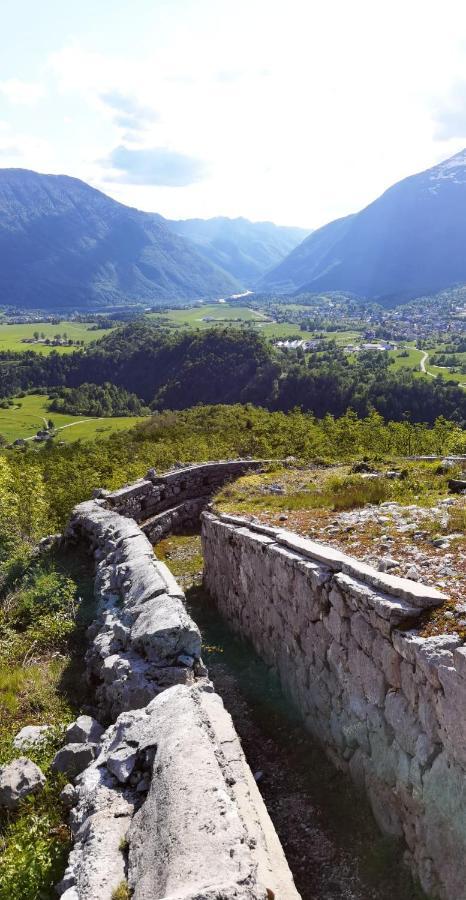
(409, 242)
(64, 244)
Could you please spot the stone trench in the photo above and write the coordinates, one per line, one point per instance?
(163, 803)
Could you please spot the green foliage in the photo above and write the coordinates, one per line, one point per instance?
(176, 370)
(96, 400)
(457, 520)
(32, 857)
(38, 490)
(37, 613)
(22, 507)
(121, 892)
(40, 630)
(353, 492)
(43, 594)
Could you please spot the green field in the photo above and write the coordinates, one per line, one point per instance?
(195, 316)
(413, 361)
(444, 372)
(11, 336)
(219, 313)
(25, 420)
(405, 362)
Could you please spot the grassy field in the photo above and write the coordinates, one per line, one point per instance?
(413, 361)
(444, 372)
(11, 336)
(409, 362)
(218, 313)
(25, 420)
(195, 316)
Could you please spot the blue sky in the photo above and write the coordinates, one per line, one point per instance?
(297, 111)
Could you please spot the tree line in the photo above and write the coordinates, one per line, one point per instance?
(177, 370)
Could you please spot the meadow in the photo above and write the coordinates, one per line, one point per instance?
(195, 316)
(27, 416)
(410, 362)
(223, 313)
(12, 336)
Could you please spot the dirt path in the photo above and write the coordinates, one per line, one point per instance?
(70, 425)
(422, 364)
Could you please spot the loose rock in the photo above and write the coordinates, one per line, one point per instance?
(19, 779)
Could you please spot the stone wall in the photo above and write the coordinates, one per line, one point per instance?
(151, 496)
(163, 799)
(387, 704)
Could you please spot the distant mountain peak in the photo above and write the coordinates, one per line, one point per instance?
(409, 242)
(243, 248)
(453, 169)
(64, 244)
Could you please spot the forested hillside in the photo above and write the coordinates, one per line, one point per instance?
(65, 245)
(167, 370)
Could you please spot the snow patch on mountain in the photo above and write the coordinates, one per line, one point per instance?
(453, 169)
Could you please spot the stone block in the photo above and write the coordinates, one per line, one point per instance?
(72, 759)
(434, 652)
(362, 632)
(450, 705)
(163, 630)
(384, 651)
(404, 723)
(19, 779)
(369, 675)
(84, 729)
(409, 684)
(31, 736)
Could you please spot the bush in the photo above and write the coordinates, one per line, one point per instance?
(353, 492)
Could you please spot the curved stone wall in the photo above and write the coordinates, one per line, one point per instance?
(163, 800)
(387, 704)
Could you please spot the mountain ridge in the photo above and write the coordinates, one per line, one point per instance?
(65, 244)
(406, 243)
(243, 248)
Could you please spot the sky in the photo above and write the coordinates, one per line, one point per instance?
(294, 111)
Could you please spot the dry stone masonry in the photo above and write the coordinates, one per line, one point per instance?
(162, 799)
(387, 704)
(165, 504)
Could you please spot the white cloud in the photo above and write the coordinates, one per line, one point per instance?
(21, 92)
(449, 113)
(25, 150)
(154, 166)
(300, 111)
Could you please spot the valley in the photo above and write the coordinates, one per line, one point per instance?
(232, 451)
(355, 400)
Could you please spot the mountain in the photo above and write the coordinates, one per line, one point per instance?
(409, 242)
(244, 249)
(64, 244)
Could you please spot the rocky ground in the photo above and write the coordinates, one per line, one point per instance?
(425, 543)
